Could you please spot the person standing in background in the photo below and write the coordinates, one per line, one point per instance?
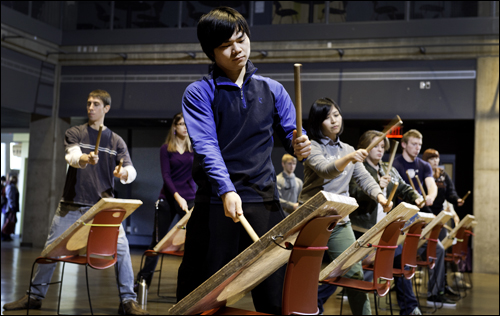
(289, 186)
(177, 192)
(11, 207)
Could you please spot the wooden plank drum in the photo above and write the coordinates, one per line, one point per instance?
(358, 250)
(441, 218)
(174, 240)
(74, 240)
(467, 222)
(260, 259)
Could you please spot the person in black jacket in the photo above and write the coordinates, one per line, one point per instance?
(370, 212)
(446, 188)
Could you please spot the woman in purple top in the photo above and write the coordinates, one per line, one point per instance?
(178, 191)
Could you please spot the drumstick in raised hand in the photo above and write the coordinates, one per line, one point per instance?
(413, 187)
(421, 187)
(96, 151)
(393, 154)
(465, 196)
(298, 99)
(393, 191)
(248, 228)
(120, 166)
(395, 122)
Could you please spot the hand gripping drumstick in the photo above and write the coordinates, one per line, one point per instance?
(393, 191)
(248, 228)
(298, 99)
(465, 196)
(120, 166)
(96, 151)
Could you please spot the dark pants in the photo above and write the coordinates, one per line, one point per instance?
(164, 215)
(212, 240)
(404, 291)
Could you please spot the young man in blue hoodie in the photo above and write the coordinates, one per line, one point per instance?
(231, 115)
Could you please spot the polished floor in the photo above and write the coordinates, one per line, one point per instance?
(483, 299)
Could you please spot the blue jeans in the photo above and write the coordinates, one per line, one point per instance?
(437, 275)
(65, 216)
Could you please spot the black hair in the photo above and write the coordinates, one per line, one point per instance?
(318, 113)
(217, 26)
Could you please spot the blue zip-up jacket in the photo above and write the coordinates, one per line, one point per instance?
(231, 130)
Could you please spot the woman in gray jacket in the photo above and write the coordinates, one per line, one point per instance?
(330, 167)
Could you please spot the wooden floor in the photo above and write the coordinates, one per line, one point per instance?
(483, 299)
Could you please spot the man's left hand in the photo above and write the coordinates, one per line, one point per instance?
(301, 146)
(122, 175)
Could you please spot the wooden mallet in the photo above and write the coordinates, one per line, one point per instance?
(421, 187)
(298, 99)
(96, 150)
(120, 166)
(393, 154)
(395, 122)
(411, 181)
(248, 228)
(466, 196)
(393, 192)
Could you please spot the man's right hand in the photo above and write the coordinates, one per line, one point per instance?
(91, 158)
(232, 205)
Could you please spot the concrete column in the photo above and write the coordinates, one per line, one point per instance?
(45, 180)
(486, 167)
(46, 171)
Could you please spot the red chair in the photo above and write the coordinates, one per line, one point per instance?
(459, 253)
(409, 253)
(431, 258)
(384, 260)
(102, 242)
(300, 288)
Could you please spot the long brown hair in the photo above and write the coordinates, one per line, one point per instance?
(366, 139)
(171, 141)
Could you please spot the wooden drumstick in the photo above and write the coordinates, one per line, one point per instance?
(120, 166)
(395, 122)
(96, 151)
(421, 187)
(248, 228)
(393, 191)
(298, 99)
(411, 182)
(465, 196)
(393, 154)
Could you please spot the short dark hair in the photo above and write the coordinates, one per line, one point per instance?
(318, 113)
(217, 26)
(101, 95)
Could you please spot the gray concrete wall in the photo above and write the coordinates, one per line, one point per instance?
(486, 159)
(42, 195)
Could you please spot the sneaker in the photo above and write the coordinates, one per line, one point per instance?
(416, 311)
(131, 308)
(451, 292)
(23, 304)
(440, 300)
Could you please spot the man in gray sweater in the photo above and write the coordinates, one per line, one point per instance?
(289, 186)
